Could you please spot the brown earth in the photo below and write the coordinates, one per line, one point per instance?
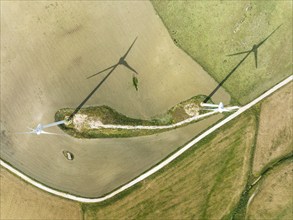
(47, 51)
(20, 200)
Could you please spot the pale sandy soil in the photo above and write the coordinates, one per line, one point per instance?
(275, 135)
(19, 200)
(47, 51)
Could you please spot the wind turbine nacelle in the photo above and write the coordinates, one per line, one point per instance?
(39, 129)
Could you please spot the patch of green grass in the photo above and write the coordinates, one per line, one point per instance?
(273, 198)
(209, 30)
(107, 115)
(185, 187)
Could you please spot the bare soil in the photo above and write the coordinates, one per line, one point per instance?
(275, 134)
(20, 200)
(47, 51)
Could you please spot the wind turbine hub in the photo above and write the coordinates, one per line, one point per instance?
(121, 60)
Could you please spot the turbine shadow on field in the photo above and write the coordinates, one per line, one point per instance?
(88, 97)
(120, 62)
(254, 50)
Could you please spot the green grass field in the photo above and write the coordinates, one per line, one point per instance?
(213, 180)
(274, 197)
(206, 182)
(209, 30)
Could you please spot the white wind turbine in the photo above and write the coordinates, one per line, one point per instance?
(219, 108)
(39, 129)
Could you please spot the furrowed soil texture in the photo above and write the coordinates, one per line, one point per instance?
(20, 200)
(47, 51)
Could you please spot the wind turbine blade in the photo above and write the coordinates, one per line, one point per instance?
(209, 105)
(209, 109)
(232, 108)
(45, 132)
(129, 48)
(25, 132)
(30, 128)
(255, 57)
(269, 35)
(54, 124)
(129, 67)
(233, 54)
(102, 71)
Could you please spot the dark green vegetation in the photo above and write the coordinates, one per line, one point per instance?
(212, 180)
(135, 82)
(81, 128)
(272, 197)
(209, 30)
(203, 188)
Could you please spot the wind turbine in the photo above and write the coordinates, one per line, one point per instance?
(39, 129)
(255, 47)
(219, 108)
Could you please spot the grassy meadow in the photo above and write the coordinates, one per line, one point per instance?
(209, 30)
(216, 178)
(213, 180)
(274, 197)
(206, 182)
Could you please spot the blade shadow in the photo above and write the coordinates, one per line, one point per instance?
(129, 49)
(111, 68)
(255, 58)
(90, 95)
(129, 67)
(254, 50)
(259, 44)
(225, 79)
(120, 62)
(102, 71)
(233, 54)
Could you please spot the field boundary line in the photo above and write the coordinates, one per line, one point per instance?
(157, 167)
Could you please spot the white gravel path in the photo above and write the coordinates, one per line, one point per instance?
(154, 127)
(157, 167)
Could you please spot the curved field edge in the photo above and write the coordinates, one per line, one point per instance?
(230, 27)
(284, 152)
(171, 186)
(236, 212)
(85, 124)
(126, 191)
(210, 136)
(272, 197)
